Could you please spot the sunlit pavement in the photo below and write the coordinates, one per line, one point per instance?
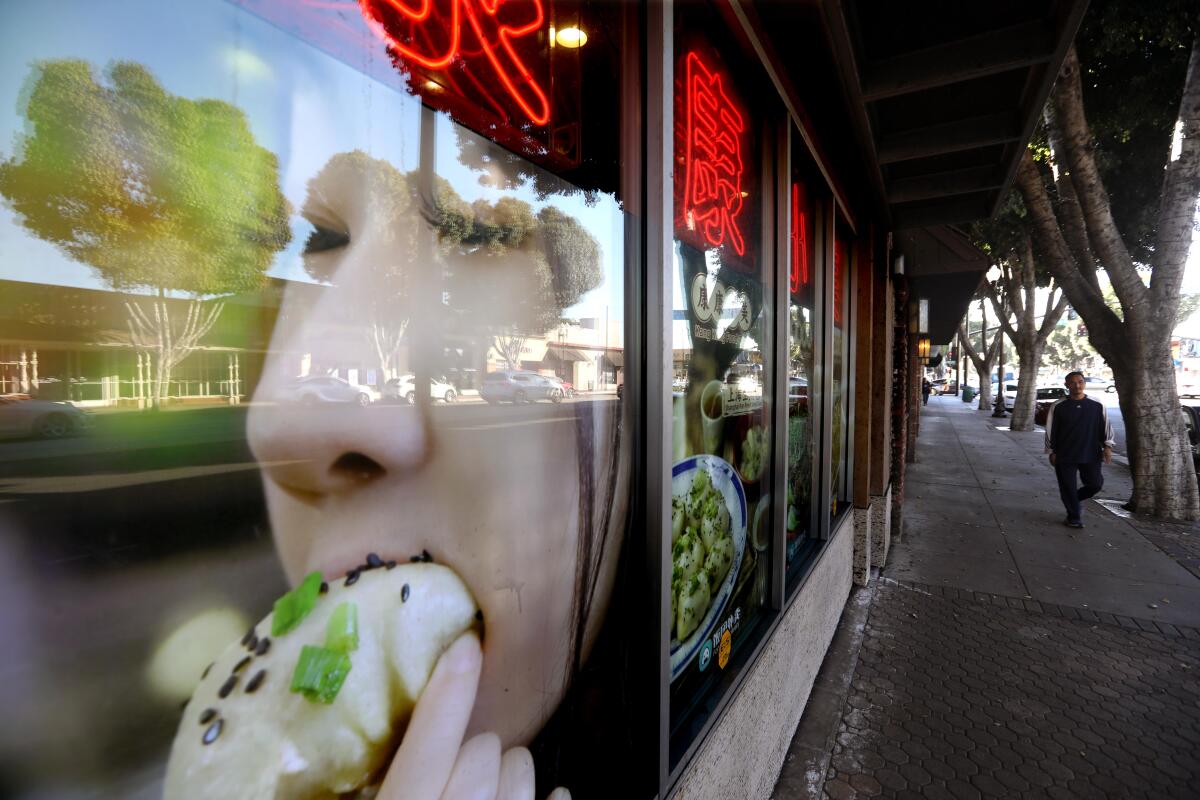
(1002, 654)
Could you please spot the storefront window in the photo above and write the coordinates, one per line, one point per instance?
(803, 391)
(284, 284)
(841, 359)
(723, 378)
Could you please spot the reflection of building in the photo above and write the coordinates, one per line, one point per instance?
(588, 352)
(65, 343)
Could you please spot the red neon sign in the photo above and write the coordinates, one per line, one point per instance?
(840, 259)
(713, 158)
(431, 34)
(799, 273)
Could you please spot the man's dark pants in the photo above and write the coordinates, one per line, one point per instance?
(1072, 494)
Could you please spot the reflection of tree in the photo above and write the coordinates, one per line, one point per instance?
(558, 262)
(390, 195)
(151, 190)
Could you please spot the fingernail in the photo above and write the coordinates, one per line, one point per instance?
(463, 656)
(559, 794)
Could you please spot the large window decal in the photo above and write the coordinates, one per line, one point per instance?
(713, 158)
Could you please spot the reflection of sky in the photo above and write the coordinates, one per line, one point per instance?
(301, 104)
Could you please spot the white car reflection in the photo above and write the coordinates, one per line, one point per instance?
(404, 388)
(314, 389)
(21, 415)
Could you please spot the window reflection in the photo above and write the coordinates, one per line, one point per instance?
(253, 272)
(802, 409)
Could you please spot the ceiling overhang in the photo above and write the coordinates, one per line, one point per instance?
(945, 96)
(945, 268)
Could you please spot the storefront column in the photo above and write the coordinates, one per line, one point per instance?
(900, 419)
(883, 312)
(24, 373)
(864, 300)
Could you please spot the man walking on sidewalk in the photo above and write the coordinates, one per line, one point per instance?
(1078, 433)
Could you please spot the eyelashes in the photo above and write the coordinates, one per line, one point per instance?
(323, 239)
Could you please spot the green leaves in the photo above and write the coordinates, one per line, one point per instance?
(150, 189)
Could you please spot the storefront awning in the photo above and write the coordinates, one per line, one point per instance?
(616, 358)
(566, 353)
(945, 268)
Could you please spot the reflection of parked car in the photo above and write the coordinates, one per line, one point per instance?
(519, 387)
(798, 393)
(404, 388)
(1046, 396)
(21, 415)
(1188, 385)
(327, 389)
(1098, 384)
(1191, 421)
(568, 388)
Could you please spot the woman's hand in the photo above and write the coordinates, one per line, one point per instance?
(434, 763)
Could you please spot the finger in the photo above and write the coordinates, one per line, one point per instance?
(426, 757)
(476, 773)
(516, 775)
(559, 794)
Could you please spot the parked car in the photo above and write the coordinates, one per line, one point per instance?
(1191, 421)
(404, 387)
(1046, 397)
(939, 386)
(1188, 385)
(22, 415)
(1010, 394)
(515, 386)
(1097, 384)
(567, 387)
(313, 389)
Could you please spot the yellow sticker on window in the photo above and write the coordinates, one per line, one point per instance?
(723, 653)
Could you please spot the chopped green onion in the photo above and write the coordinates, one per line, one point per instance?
(294, 606)
(320, 673)
(341, 634)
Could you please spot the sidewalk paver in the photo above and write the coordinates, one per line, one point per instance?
(1005, 655)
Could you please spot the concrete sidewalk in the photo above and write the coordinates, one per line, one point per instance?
(1002, 654)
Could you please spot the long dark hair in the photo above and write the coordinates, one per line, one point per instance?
(592, 728)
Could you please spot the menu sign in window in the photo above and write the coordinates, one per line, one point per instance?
(720, 476)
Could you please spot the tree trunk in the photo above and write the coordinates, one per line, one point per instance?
(157, 334)
(985, 389)
(1025, 406)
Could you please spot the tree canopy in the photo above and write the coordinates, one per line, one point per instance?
(1134, 59)
(150, 189)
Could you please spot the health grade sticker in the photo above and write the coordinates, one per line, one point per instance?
(723, 652)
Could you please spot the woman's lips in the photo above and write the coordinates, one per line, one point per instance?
(343, 567)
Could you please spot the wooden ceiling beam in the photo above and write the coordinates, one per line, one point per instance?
(1007, 49)
(941, 184)
(949, 137)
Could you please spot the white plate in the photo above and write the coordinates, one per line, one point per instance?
(725, 480)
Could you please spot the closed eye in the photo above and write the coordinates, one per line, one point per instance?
(324, 239)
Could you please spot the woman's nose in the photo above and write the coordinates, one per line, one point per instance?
(319, 450)
(318, 434)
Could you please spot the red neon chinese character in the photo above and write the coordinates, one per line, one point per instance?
(431, 35)
(713, 183)
(841, 258)
(799, 273)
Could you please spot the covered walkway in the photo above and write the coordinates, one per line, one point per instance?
(1002, 654)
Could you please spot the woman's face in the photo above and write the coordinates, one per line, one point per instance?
(491, 491)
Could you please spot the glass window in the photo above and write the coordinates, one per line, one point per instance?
(721, 338)
(838, 457)
(256, 262)
(803, 390)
